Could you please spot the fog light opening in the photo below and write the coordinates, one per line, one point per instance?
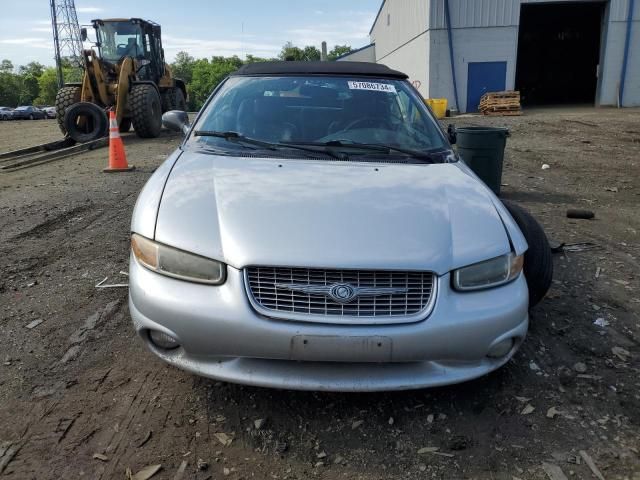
(163, 340)
(501, 348)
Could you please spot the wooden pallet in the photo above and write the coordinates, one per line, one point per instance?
(497, 108)
(506, 94)
(500, 103)
(512, 113)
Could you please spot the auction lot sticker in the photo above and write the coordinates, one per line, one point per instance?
(376, 87)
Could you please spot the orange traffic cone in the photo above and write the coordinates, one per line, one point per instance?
(117, 155)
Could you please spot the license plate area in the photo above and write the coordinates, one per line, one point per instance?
(333, 348)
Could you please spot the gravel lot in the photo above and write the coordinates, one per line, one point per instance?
(76, 382)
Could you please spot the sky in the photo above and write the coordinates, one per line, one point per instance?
(202, 28)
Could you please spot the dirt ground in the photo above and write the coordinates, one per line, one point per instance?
(80, 383)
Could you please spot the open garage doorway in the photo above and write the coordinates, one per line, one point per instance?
(559, 52)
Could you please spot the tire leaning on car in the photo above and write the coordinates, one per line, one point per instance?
(538, 261)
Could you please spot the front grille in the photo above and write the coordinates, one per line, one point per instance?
(268, 294)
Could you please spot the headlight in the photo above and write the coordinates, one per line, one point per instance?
(177, 263)
(491, 273)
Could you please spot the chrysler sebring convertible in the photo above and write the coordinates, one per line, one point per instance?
(315, 230)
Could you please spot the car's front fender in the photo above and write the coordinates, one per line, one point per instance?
(145, 211)
(518, 242)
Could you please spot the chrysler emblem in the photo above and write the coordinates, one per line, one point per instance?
(342, 292)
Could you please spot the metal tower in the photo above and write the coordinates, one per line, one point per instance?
(66, 35)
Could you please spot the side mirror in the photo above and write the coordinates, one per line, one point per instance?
(451, 134)
(83, 34)
(176, 121)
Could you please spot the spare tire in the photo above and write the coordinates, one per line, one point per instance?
(85, 122)
(538, 261)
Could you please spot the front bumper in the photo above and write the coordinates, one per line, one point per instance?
(222, 337)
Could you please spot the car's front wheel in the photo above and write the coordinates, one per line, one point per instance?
(538, 261)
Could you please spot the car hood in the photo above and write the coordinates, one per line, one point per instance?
(333, 214)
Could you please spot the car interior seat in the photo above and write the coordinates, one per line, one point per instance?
(264, 119)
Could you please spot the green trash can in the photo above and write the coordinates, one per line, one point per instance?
(482, 148)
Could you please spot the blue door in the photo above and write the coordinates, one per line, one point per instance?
(484, 77)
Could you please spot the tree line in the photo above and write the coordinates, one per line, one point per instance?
(36, 84)
(33, 83)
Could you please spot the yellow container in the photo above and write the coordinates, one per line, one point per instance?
(438, 105)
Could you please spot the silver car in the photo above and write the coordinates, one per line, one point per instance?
(50, 112)
(6, 113)
(316, 231)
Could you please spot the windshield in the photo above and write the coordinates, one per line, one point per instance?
(320, 110)
(120, 39)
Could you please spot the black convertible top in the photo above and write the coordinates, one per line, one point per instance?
(364, 69)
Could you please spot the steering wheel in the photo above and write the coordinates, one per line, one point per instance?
(374, 122)
(366, 122)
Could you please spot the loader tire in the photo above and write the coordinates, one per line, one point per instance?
(125, 125)
(146, 111)
(173, 99)
(178, 101)
(165, 100)
(65, 97)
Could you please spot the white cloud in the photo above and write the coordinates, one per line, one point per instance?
(89, 9)
(208, 48)
(349, 27)
(41, 29)
(31, 42)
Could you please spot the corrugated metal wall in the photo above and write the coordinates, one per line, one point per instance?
(484, 31)
(475, 13)
(499, 13)
(401, 39)
(398, 23)
(413, 59)
(613, 47)
(366, 54)
(496, 44)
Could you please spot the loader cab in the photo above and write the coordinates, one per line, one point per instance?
(135, 38)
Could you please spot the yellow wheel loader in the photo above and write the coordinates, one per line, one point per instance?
(129, 75)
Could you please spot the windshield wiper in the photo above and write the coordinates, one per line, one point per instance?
(380, 148)
(373, 147)
(236, 137)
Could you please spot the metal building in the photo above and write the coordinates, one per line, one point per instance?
(553, 51)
